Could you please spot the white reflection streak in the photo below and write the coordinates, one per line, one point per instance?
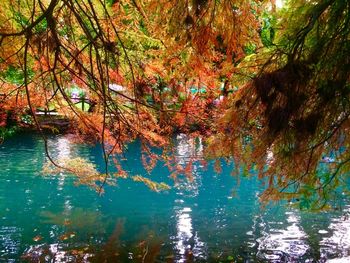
(53, 253)
(187, 148)
(290, 241)
(10, 241)
(63, 148)
(339, 242)
(187, 242)
(63, 152)
(184, 232)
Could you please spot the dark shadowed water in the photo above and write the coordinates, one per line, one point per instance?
(212, 219)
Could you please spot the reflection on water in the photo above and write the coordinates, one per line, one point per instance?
(62, 146)
(188, 152)
(187, 242)
(54, 253)
(59, 149)
(48, 219)
(187, 148)
(283, 240)
(9, 241)
(184, 232)
(338, 243)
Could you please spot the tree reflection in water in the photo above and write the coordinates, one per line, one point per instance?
(197, 220)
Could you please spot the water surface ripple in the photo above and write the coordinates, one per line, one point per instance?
(211, 219)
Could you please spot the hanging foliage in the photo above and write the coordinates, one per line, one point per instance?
(292, 119)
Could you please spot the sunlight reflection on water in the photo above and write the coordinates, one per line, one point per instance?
(287, 243)
(187, 242)
(9, 241)
(203, 221)
(338, 244)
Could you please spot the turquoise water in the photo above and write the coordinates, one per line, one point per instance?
(215, 218)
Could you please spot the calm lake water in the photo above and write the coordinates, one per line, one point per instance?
(212, 219)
